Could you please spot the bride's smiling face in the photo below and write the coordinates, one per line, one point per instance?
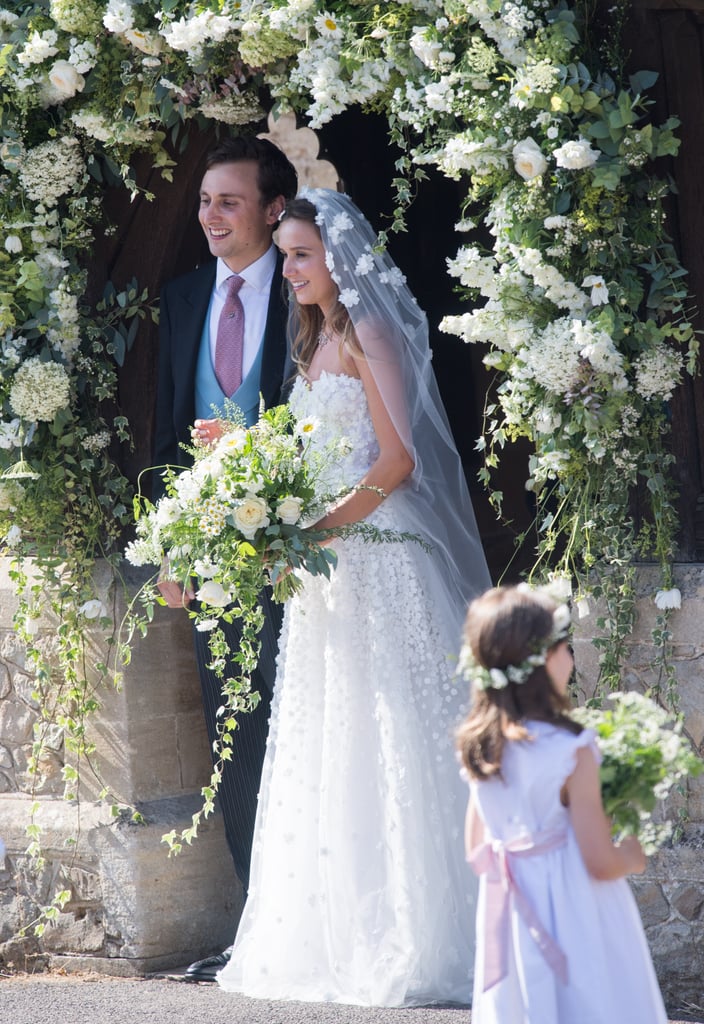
(304, 264)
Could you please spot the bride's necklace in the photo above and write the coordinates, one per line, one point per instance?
(323, 339)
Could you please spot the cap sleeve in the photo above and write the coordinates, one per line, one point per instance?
(586, 739)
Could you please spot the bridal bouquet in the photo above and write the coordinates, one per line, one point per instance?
(644, 756)
(237, 521)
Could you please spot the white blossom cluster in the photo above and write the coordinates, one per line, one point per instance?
(39, 390)
(658, 372)
(65, 338)
(563, 293)
(192, 34)
(478, 157)
(52, 170)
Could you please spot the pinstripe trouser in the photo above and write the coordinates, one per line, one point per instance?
(241, 776)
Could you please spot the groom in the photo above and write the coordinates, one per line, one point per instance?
(204, 358)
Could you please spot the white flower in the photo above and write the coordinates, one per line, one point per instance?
(11, 494)
(251, 515)
(214, 594)
(658, 372)
(51, 170)
(145, 42)
(349, 297)
(559, 587)
(600, 293)
(232, 441)
(528, 159)
(667, 599)
(575, 155)
(365, 264)
(65, 81)
(206, 625)
(329, 260)
(119, 16)
(306, 427)
(289, 510)
(13, 243)
(426, 49)
(39, 390)
(38, 47)
(394, 277)
(341, 222)
(327, 26)
(204, 568)
(13, 536)
(499, 679)
(93, 609)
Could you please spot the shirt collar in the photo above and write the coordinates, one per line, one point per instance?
(257, 275)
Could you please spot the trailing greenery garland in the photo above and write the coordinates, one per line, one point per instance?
(581, 296)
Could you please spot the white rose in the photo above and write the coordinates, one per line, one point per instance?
(94, 609)
(251, 515)
(13, 243)
(575, 156)
(214, 594)
(65, 80)
(289, 510)
(528, 159)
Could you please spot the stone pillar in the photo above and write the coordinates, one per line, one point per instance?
(133, 909)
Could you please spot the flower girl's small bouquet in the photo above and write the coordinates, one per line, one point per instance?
(644, 755)
(237, 521)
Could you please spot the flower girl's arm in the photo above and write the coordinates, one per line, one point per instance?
(604, 860)
(391, 467)
(473, 828)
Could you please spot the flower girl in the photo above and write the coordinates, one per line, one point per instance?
(559, 938)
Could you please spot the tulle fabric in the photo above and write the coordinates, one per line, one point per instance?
(596, 924)
(392, 331)
(359, 892)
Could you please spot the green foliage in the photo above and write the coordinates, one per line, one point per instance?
(553, 150)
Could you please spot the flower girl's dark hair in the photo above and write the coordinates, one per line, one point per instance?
(503, 628)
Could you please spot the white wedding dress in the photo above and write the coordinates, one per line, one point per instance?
(359, 890)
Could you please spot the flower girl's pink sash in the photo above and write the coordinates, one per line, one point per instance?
(493, 859)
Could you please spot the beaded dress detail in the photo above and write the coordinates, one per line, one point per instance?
(359, 890)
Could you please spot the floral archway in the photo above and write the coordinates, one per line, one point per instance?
(578, 300)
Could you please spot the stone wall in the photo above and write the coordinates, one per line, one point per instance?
(132, 908)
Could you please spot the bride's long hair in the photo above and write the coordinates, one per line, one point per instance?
(377, 316)
(307, 322)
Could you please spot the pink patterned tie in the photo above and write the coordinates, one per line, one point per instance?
(229, 343)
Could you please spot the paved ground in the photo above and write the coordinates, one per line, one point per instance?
(52, 998)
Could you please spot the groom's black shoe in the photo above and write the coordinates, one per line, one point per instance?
(207, 969)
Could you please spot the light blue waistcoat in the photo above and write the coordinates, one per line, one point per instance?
(209, 394)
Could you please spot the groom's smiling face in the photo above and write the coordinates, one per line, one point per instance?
(237, 224)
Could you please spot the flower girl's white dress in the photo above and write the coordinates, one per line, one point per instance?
(360, 892)
(594, 925)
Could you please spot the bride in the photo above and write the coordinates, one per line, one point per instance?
(359, 892)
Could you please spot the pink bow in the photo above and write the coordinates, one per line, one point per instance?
(493, 859)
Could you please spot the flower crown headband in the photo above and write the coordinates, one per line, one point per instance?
(498, 678)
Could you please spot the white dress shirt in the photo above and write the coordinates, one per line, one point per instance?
(254, 294)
